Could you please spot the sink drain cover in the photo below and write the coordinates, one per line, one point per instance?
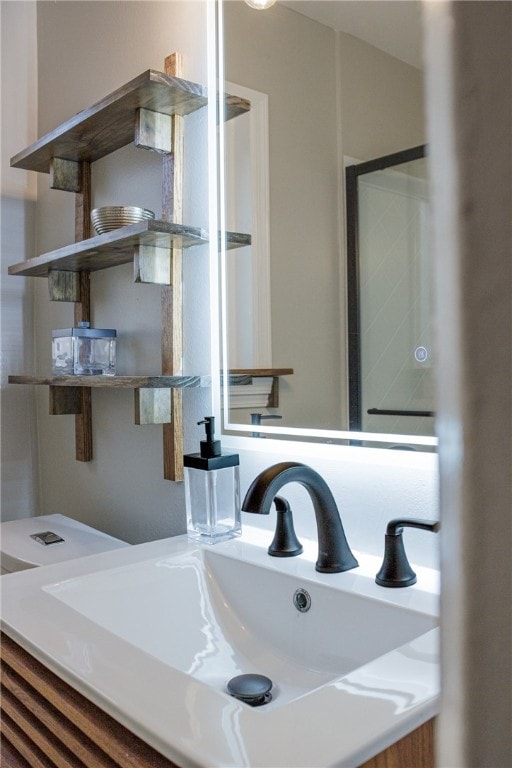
(251, 689)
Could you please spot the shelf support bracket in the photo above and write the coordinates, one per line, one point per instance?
(65, 175)
(75, 401)
(153, 130)
(65, 400)
(152, 264)
(153, 406)
(273, 398)
(63, 286)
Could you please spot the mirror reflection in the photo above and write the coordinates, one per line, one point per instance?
(391, 387)
(325, 94)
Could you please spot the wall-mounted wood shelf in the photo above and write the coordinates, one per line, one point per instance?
(148, 111)
(117, 247)
(115, 382)
(245, 376)
(249, 373)
(70, 395)
(109, 124)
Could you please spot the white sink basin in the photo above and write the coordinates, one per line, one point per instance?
(153, 633)
(214, 617)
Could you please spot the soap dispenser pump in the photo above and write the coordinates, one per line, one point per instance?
(212, 490)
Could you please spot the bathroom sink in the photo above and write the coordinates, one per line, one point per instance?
(153, 633)
(213, 617)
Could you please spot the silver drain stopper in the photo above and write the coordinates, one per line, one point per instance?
(251, 689)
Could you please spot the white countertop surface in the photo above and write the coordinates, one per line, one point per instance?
(342, 723)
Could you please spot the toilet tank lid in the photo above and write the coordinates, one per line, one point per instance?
(20, 550)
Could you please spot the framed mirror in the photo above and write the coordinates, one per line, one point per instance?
(320, 97)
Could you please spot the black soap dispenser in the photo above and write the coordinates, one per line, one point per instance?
(212, 490)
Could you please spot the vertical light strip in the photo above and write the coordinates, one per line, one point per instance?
(222, 210)
(213, 199)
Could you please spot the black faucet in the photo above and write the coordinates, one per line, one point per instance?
(395, 570)
(334, 554)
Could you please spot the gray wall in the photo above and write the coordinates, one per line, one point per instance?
(85, 51)
(291, 58)
(382, 108)
(19, 474)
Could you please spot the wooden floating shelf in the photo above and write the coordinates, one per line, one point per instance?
(116, 382)
(245, 376)
(117, 247)
(109, 124)
(249, 373)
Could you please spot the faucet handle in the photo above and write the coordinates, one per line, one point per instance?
(285, 542)
(395, 570)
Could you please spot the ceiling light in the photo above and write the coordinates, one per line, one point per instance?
(260, 5)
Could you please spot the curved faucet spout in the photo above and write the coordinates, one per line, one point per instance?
(334, 553)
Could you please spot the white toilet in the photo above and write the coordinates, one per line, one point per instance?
(36, 541)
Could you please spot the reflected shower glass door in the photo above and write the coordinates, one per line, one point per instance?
(391, 358)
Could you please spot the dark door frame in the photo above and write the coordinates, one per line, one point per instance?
(352, 174)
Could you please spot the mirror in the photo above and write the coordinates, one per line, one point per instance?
(322, 98)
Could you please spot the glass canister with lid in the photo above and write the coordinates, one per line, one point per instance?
(84, 351)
